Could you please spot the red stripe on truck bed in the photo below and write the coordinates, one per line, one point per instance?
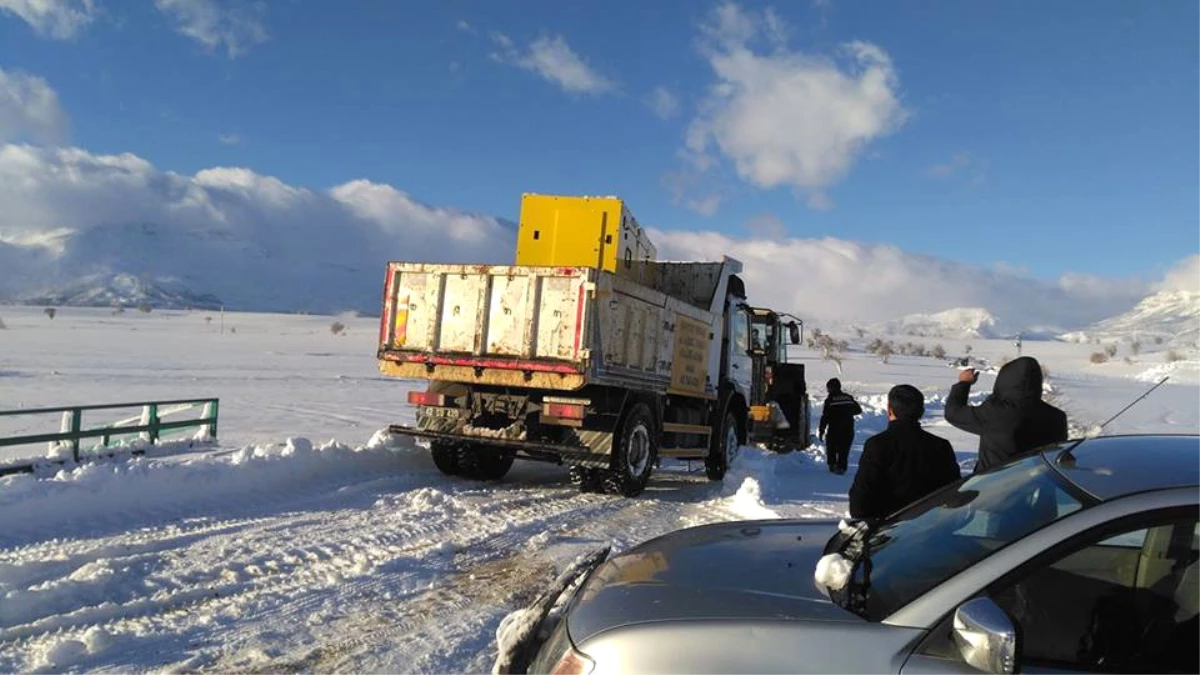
(579, 320)
(501, 364)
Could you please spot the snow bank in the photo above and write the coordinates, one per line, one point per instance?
(153, 486)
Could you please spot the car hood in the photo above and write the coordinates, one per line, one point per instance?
(748, 569)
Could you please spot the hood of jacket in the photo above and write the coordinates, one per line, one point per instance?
(1019, 381)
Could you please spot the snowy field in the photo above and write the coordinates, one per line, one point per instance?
(306, 540)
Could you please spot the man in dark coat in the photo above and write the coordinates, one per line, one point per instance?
(903, 463)
(1013, 420)
(837, 416)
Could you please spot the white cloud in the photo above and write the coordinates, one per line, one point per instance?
(230, 139)
(29, 107)
(466, 27)
(786, 118)
(553, 59)
(1185, 276)
(211, 24)
(663, 102)
(837, 280)
(250, 239)
(58, 19)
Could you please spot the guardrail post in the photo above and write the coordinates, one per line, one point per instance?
(211, 410)
(153, 422)
(76, 425)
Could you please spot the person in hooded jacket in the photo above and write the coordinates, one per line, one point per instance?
(900, 465)
(1013, 420)
(837, 418)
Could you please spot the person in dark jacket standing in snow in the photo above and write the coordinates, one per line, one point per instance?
(1013, 420)
(837, 416)
(903, 463)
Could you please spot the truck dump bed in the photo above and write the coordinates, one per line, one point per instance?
(553, 327)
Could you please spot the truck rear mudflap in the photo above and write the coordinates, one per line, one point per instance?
(557, 453)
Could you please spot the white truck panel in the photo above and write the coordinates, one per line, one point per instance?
(606, 328)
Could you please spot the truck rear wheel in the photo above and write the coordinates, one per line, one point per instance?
(445, 458)
(484, 463)
(724, 449)
(636, 450)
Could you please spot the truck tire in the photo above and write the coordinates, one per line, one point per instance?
(723, 451)
(445, 458)
(484, 463)
(635, 452)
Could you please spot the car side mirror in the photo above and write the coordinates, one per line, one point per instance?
(986, 638)
(794, 333)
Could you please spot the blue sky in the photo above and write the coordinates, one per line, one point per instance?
(1052, 137)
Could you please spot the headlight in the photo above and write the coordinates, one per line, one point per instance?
(557, 655)
(573, 663)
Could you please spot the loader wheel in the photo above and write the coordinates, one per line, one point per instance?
(721, 455)
(484, 463)
(636, 452)
(445, 458)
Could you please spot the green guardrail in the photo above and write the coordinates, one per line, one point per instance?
(73, 431)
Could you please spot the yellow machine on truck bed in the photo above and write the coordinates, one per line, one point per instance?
(588, 352)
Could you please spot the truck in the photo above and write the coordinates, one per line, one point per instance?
(588, 352)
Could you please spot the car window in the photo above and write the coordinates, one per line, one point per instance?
(1127, 603)
(947, 532)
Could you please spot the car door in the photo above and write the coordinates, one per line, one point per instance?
(1120, 598)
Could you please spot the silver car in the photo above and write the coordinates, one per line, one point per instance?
(1080, 558)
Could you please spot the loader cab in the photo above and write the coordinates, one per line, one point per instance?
(777, 382)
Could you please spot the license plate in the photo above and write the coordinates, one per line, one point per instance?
(441, 412)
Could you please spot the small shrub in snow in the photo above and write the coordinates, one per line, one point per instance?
(1158, 340)
(50, 312)
(1171, 356)
(967, 349)
(2, 326)
(144, 307)
(1099, 357)
(1111, 350)
(337, 327)
(1129, 360)
(939, 352)
(208, 319)
(885, 351)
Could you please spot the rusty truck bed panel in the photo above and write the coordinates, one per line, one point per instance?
(545, 327)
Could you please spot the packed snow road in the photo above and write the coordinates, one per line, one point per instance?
(295, 558)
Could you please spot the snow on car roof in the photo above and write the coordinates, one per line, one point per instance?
(1115, 466)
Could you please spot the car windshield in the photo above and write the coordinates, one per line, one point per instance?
(952, 529)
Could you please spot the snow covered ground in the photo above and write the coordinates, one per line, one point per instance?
(274, 552)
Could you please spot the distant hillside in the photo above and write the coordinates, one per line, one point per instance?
(1170, 316)
(966, 323)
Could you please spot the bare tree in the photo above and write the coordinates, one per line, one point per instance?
(145, 307)
(1171, 356)
(939, 352)
(885, 351)
(337, 327)
(967, 349)
(831, 349)
(50, 312)
(1135, 347)
(1111, 350)
(1099, 357)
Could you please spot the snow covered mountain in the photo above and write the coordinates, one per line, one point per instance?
(966, 323)
(1172, 315)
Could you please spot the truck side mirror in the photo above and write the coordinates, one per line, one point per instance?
(794, 333)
